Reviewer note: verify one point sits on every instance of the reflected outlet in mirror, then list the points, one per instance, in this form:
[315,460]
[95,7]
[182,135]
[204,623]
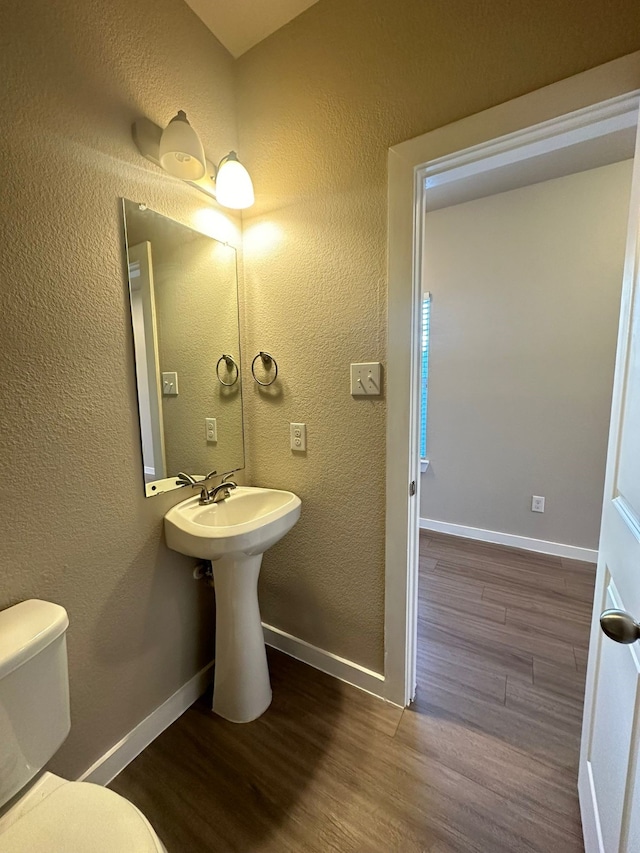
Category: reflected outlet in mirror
[183,292]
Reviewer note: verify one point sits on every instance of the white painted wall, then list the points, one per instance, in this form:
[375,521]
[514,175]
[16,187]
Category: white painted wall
[525,288]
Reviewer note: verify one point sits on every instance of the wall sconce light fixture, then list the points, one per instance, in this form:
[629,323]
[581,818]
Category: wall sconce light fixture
[178,150]
[233,183]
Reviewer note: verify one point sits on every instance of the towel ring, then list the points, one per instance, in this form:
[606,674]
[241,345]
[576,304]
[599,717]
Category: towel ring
[267,361]
[231,363]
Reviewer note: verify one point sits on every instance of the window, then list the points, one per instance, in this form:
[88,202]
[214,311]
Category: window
[424,367]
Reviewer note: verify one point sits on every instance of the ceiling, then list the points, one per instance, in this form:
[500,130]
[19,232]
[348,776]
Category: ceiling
[240,24]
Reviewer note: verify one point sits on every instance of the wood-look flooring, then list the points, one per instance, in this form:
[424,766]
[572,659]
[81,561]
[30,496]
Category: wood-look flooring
[484,761]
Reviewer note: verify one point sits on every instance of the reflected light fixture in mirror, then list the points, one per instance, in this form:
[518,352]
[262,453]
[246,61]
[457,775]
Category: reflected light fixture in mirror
[178,150]
[181,152]
[214,223]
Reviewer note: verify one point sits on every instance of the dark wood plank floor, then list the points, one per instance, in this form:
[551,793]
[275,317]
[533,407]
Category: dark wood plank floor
[484,761]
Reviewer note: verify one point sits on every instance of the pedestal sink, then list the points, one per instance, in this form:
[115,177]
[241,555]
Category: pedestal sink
[234,534]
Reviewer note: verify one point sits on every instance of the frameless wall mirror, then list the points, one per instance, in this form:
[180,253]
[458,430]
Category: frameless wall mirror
[183,291]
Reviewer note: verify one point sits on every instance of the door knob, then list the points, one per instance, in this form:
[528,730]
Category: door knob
[620,626]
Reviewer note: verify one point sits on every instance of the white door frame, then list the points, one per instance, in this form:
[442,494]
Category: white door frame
[530,120]
[144,285]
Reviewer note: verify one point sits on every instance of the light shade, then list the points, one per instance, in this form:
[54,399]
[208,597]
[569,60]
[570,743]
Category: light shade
[233,183]
[181,152]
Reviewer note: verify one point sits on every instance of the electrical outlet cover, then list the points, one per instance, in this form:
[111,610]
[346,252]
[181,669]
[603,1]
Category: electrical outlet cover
[298,437]
[537,503]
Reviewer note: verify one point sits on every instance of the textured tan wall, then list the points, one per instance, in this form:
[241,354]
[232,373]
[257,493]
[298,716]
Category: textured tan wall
[76,528]
[525,303]
[320,102]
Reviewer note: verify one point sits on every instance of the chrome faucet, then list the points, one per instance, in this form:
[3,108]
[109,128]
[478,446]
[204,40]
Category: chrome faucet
[220,492]
[217,493]
[204,492]
[187,479]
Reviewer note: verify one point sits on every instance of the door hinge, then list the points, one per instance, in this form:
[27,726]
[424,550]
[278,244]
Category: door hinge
[412,488]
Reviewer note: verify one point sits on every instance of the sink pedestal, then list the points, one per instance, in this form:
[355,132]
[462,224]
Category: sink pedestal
[242,689]
[246,522]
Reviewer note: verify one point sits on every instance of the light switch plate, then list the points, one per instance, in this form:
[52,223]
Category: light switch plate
[366,379]
[170,384]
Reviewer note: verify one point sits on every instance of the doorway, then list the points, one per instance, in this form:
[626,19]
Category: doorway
[436,165]
[532,145]
[525,291]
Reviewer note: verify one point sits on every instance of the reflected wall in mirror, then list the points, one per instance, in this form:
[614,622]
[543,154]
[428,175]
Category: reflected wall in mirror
[183,292]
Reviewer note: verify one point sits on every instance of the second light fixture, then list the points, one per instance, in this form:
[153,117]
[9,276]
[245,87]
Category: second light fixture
[181,153]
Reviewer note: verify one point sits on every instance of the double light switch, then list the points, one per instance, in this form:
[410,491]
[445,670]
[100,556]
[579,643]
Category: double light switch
[366,379]
[169,383]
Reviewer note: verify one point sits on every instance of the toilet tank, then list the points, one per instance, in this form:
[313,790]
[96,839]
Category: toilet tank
[34,691]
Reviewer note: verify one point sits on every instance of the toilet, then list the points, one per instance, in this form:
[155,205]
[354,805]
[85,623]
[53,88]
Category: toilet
[40,811]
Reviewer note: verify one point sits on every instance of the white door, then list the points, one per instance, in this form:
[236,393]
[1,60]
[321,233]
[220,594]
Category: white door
[609,780]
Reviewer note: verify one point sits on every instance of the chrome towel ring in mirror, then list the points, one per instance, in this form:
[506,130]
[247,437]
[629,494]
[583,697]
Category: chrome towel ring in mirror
[267,361]
[231,365]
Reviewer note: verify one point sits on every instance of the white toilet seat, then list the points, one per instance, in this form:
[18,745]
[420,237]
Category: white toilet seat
[79,817]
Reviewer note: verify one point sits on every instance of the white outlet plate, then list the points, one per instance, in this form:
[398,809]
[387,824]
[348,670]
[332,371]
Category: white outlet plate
[211,429]
[170,384]
[366,379]
[537,503]
[298,433]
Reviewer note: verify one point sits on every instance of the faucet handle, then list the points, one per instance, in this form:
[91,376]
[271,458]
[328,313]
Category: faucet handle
[202,484]
[185,479]
[204,479]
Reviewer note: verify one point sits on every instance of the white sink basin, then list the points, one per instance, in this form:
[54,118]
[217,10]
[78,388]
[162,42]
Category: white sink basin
[248,522]
[234,534]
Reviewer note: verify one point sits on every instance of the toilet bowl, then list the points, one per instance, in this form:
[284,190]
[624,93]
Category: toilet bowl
[39,811]
[57,816]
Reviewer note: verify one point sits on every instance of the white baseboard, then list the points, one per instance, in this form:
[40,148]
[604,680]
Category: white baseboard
[344,670]
[131,745]
[122,753]
[556,549]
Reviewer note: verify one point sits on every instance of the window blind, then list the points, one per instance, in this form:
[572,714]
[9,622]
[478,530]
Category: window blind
[424,384]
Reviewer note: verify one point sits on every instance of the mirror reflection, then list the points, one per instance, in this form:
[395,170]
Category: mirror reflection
[183,293]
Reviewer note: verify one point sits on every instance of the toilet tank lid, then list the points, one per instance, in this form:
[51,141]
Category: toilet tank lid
[26,629]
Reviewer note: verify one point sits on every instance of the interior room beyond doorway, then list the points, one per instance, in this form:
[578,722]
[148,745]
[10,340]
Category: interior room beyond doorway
[525,291]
